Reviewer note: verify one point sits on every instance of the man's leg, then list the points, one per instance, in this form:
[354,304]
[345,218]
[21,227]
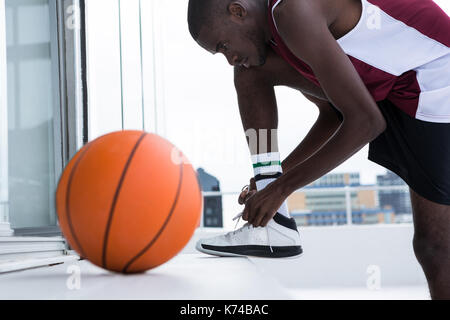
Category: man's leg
[259,115]
[432,243]
[280,238]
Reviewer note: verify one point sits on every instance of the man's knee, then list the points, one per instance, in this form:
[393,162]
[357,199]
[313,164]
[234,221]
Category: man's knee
[431,252]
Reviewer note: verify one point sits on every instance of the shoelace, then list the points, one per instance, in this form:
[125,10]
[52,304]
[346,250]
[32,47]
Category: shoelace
[248,225]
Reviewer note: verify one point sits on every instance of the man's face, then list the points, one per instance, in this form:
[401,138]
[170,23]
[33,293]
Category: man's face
[242,45]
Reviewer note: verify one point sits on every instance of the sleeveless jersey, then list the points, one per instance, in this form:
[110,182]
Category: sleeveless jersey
[400,49]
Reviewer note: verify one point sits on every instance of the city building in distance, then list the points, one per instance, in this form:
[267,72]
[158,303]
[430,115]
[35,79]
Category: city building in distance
[324,202]
[212,205]
[398,200]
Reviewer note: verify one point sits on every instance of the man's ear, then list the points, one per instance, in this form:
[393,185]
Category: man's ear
[237,9]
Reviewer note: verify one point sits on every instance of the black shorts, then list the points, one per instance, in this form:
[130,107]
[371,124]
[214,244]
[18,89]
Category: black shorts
[417,151]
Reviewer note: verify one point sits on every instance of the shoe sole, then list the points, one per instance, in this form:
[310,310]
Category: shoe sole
[253,251]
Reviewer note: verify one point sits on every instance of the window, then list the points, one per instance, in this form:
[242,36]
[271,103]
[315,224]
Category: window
[32,82]
[41,114]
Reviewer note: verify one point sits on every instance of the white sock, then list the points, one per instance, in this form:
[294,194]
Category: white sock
[267,168]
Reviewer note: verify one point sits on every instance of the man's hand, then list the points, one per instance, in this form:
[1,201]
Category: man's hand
[247,191]
[261,207]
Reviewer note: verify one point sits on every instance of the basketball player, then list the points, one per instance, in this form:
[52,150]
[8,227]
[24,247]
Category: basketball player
[379,72]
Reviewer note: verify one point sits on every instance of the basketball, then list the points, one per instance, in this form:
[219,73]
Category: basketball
[128,201]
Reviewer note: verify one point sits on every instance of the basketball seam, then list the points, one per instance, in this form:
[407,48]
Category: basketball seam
[166,222]
[115,199]
[69,187]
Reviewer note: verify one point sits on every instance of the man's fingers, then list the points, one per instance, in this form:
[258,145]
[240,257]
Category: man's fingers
[254,217]
[247,192]
[252,184]
[250,194]
[245,213]
[249,214]
[258,219]
[264,217]
[266,220]
[242,197]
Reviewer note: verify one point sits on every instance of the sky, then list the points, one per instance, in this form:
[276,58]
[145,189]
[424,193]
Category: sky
[202,116]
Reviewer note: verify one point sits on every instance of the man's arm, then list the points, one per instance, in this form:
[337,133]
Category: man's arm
[304,29]
[258,109]
[323,129]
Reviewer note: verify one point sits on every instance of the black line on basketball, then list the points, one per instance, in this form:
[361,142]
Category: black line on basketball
[116,196]
[172,209]
[69,187]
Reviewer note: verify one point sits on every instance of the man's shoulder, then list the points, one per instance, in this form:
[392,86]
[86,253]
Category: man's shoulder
[289,7]
[290,14]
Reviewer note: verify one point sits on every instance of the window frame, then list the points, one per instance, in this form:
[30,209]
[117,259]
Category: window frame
[70,116]
[68,45]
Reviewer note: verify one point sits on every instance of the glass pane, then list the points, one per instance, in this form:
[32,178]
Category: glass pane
[30,114]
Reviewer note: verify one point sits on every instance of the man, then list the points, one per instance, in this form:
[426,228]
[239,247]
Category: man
[379,72]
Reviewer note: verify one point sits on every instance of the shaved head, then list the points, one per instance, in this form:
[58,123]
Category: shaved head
[202,13]
[236,28]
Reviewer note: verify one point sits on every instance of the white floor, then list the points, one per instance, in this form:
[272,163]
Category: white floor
[388,293]
[188,276]
[338,263]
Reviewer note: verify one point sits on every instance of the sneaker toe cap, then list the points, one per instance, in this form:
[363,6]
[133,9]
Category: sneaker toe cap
[215,241]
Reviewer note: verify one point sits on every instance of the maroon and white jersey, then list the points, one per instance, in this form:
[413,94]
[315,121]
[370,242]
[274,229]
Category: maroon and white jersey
[400,48]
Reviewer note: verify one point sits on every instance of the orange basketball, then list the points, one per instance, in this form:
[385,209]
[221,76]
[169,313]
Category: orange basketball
[128,201]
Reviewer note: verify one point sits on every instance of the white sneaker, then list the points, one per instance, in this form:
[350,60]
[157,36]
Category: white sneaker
[279,239]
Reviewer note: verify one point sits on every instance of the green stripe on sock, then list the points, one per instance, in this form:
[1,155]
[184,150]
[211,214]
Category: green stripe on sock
[267,164]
